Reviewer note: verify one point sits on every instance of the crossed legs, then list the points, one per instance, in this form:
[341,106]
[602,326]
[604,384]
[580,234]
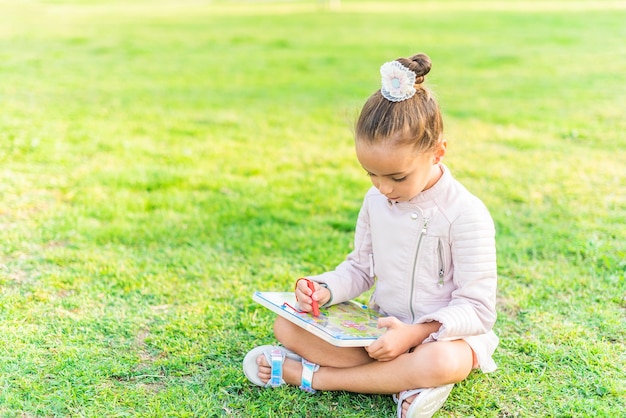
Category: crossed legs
[351,369]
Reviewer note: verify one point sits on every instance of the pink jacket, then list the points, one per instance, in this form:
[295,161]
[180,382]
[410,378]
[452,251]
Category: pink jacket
[432,259]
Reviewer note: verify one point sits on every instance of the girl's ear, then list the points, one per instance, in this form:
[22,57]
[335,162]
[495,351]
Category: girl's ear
[440,152]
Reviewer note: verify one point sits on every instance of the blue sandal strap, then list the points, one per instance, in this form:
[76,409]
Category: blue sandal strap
[308,369]
[276,362]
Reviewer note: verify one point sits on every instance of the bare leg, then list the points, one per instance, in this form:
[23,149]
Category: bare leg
[317,350]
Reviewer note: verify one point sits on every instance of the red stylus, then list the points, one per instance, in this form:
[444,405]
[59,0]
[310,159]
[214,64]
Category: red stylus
[314,304]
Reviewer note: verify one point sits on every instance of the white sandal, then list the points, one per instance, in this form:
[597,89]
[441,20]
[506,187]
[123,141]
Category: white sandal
[275,356]
[426,403]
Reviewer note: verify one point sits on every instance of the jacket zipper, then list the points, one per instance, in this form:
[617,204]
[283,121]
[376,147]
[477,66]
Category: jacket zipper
[419,244]
[441,271]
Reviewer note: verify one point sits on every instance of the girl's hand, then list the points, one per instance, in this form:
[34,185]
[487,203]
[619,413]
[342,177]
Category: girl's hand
[305,296]
[399,338]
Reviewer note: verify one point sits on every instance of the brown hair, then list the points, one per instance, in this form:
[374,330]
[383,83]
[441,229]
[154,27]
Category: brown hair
[416,121]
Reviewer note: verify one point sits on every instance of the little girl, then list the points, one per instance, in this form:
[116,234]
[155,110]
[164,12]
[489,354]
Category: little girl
[426,244]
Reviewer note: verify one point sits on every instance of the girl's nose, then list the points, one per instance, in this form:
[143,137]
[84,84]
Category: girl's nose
[384,187]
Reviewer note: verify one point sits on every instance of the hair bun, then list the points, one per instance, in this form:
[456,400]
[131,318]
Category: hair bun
[420,64]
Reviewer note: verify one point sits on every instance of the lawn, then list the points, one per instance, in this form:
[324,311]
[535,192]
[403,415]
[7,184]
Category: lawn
[161,160]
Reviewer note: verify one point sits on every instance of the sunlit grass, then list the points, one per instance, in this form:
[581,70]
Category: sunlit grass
[160,161]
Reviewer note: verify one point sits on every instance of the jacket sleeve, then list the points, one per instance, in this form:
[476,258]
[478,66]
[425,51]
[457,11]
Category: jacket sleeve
[354,275]
[472,310]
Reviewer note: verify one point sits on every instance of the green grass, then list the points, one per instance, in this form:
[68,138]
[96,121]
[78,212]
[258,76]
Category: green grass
[160,161]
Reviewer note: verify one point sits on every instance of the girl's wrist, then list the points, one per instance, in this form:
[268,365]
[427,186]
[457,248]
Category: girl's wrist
[328,295]
[425,329]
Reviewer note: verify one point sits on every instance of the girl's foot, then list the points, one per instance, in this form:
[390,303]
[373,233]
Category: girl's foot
[273,366]
[292,370]
[406,404]
[422,403]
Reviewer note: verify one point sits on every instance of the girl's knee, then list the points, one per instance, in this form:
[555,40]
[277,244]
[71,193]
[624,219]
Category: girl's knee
[449,362]
[457,360]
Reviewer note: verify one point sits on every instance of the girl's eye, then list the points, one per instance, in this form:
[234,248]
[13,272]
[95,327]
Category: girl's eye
[400,179]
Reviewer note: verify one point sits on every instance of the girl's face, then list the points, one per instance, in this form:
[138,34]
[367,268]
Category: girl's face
[398,171]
